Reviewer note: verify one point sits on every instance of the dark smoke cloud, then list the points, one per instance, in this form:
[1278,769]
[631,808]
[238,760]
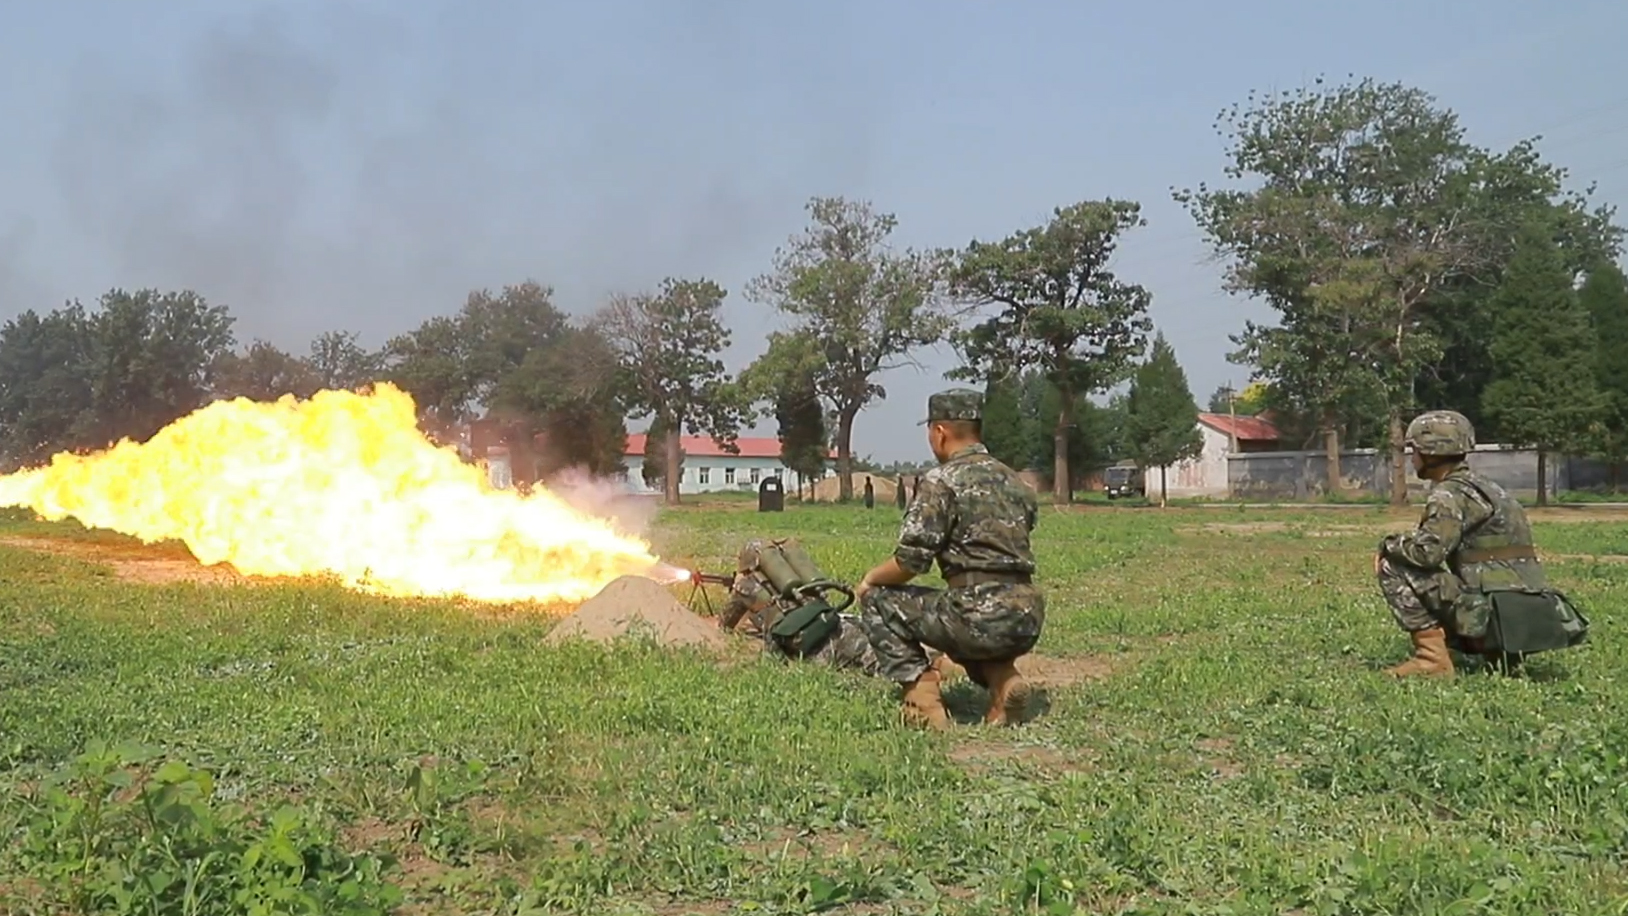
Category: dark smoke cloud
[359,169]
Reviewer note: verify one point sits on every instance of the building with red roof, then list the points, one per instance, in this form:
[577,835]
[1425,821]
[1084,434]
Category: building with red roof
[1206,475]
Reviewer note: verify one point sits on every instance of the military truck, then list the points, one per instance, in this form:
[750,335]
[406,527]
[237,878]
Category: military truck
[1124,480]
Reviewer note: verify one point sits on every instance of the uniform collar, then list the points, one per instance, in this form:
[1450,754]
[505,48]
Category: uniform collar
[976,448]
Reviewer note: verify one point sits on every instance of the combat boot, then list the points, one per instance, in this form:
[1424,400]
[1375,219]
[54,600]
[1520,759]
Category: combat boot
[923,704]
[1430,656]
[1008,693]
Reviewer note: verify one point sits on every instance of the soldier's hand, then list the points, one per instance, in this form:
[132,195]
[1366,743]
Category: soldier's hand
[860,590]
[1378,559]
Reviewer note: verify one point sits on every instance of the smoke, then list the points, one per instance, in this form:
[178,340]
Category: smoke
[628,512]
[313,165]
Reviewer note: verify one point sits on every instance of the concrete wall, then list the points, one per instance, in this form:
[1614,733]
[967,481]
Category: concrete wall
[1304,475]
[1204,476]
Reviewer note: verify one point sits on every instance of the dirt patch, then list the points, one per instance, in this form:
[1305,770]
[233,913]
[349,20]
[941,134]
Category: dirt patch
[135,564]
[1045,670]
[636,605]
[1216,755]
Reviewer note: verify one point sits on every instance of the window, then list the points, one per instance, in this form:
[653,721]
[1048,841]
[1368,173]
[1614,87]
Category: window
[757,476]
[706,475]
[729,475]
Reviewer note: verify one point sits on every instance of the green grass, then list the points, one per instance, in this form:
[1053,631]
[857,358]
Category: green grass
[1241,756]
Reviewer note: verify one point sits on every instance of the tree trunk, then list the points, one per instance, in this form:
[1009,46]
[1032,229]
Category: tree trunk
[1399,461]
[1164,492]
[1543,477]
[674,471]
[845,455]
[1331,444]
[1062,487]
[1616,476]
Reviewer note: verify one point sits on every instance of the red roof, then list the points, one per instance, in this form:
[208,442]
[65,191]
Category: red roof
[704,447]
[1247,429]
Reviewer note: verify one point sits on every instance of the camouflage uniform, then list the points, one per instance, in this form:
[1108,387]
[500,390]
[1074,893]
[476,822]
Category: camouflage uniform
[973,516]
[1472,537]
[753,598]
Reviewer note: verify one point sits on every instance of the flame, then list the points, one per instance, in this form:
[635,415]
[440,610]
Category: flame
[342,484]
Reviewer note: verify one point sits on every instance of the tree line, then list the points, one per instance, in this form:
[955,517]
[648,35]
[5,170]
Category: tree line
[1408,269]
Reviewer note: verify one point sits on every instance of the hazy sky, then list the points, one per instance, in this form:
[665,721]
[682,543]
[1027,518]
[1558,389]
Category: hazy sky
[364,165]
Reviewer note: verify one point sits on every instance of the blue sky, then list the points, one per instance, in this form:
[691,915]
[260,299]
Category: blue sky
[364,165]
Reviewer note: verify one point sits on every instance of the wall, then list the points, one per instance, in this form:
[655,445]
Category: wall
[716,477]
[1303,475]
[1203,476]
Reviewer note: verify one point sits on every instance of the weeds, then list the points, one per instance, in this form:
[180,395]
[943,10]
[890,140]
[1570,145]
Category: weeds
[289,748]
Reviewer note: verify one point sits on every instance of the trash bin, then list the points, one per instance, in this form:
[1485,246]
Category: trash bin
[770,496]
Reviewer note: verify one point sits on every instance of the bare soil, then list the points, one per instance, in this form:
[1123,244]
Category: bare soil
[633,604]
[135,563]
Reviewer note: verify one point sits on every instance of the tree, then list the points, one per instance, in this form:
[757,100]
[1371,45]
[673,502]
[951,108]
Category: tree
[1161,417]
[47,396]
[452,365]
[264,373]
[804,439]
[1006,430]
[1604,296]
[858,309]
[340,362]
[567,392]
[668,344]
[1541,336]
[1058,308]
[1362,217]
[654,467]
[1249,402]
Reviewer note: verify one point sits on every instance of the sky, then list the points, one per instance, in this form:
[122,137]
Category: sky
[365,165]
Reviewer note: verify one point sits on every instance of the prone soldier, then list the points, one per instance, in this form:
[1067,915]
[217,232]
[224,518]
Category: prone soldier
[770,609]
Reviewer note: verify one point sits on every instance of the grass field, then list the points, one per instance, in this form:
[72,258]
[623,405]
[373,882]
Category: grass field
[1213,738]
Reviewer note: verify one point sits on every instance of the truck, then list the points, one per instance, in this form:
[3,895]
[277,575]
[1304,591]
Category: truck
[1124,480]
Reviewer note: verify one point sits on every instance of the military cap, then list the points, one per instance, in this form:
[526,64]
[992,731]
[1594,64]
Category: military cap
[954,404]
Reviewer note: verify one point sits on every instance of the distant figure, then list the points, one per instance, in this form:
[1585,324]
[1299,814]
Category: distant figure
[898,494]
[870,494]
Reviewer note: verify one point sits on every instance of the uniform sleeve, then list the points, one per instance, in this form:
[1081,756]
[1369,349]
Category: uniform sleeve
[744,595]
[1440,528]
[926,527]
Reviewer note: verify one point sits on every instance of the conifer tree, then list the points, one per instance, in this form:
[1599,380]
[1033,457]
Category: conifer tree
[1161,422]
[1605,297]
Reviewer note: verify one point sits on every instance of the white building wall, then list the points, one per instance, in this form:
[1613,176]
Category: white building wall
[1203,476]
[713,474]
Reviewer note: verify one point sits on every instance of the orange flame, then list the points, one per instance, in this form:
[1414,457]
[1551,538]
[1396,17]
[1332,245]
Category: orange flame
[342,484]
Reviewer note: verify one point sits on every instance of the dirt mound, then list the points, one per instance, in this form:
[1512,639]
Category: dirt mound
[636,605]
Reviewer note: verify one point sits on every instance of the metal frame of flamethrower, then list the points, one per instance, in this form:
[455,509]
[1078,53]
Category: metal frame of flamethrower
[697,579]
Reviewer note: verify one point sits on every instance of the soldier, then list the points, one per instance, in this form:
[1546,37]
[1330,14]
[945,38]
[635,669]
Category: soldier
[753,597]
[973,516]
[1472,538]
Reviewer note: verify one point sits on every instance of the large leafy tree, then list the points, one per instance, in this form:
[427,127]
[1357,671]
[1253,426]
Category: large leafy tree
[517,356]
[1161,418]
[1057,307]
[1544,393]
[81,379]
[1363,212]
[341,363]
[263,373]
[857,306]
[668,344]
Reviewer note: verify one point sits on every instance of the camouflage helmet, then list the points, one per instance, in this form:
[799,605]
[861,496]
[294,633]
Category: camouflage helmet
[1441,432]
[747,559]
